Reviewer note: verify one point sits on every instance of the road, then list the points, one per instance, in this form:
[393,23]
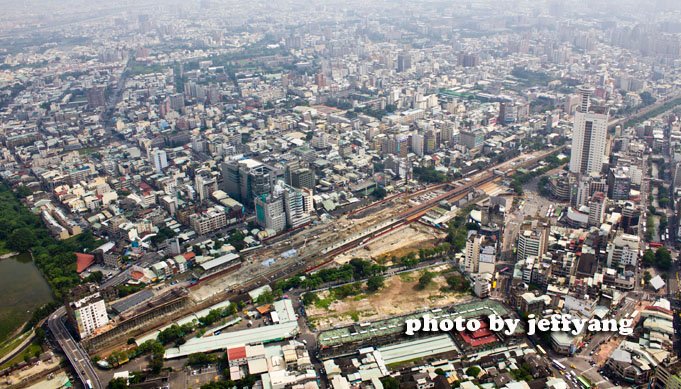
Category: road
[642,112]
[309,338]
[24,343]
[582,361]
[77,357]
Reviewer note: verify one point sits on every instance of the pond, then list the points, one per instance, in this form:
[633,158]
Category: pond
[22,291]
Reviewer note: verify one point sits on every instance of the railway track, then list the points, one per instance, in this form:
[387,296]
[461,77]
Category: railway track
[415,213]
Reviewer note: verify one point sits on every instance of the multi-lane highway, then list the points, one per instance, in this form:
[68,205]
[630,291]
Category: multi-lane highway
[77,357]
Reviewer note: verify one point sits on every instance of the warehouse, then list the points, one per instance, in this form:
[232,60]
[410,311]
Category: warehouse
[225,340]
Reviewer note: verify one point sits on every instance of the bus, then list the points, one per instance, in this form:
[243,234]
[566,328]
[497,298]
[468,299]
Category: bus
[558,365]
[541,350]
[584,382]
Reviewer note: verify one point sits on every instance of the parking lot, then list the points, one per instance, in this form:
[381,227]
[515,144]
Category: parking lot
[194,378]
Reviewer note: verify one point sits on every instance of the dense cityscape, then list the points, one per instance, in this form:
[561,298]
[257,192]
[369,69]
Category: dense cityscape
[221,194]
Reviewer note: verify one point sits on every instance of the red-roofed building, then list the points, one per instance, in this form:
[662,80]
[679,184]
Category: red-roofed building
[83,261]
[236,356]
[145,188]
[482,336]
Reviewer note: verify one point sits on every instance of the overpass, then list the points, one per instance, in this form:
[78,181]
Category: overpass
[77,357]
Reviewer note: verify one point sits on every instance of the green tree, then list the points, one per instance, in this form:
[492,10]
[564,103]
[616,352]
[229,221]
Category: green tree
[374,283]
[201,359]
[390,382]
[457,283]
[21,240]
[425,280]
[95,277]
[379,192]
[156,363]
[646,276]
[236,239]
[648,258]
[265,298]
[118,383]
[23,191]
[647,98]
[429,175]
[473,371]
[310,298]
[39,338]
[663,259]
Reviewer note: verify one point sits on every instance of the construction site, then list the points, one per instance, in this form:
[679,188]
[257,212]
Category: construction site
[398,297]
[397,243]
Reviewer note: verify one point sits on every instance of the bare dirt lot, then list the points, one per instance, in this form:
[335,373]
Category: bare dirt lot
[399,296]
[398,243]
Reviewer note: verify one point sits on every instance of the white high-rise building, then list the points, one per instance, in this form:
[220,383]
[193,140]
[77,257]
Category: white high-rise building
[160,159]
[623,251]
[533,240]
[417,143]
[589,135]
[270,212]
[472,254]
[597,209]
[87,310]
[205,184]
[294,206]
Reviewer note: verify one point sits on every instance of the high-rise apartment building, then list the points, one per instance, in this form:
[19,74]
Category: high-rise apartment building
[302,178]
[270,213]
[584,186]
[589,133]
[533,240]
[403,62]
[430,142]
[417,144]
[86,309]
[472,254]
[205,184]
[176,101]
[285,207]
[623,251]
[471,138]
[597,209]
[619,183]
[296,206]
[210,220]
[160,160]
